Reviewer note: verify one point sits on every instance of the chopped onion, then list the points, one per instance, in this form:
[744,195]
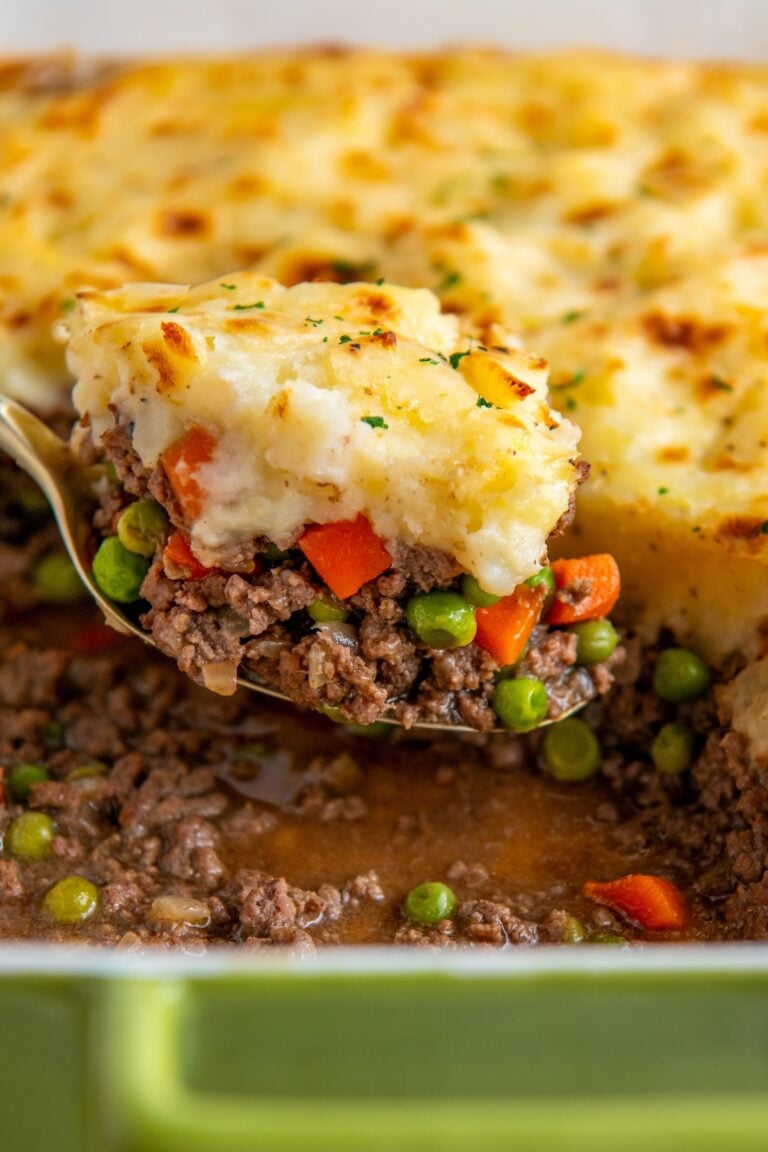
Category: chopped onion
[266,649]
[220,676]
[317,656]
[345,634]
[180,910]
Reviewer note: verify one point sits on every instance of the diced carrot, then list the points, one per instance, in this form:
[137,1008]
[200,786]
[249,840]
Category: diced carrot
[98,638]
[346,554]
[181,462]
[179,552]
[595,584]
[505,627]
[649,901]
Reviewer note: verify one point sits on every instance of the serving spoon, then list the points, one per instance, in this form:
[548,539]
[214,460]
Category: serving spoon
[66,483]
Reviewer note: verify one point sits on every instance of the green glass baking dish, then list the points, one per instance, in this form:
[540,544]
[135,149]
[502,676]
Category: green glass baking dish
[585,1050]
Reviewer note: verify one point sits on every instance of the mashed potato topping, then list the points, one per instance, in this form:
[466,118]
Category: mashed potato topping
[325,401]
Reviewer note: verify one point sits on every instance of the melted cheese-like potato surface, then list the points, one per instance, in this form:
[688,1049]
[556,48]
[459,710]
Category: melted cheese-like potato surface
[611,211]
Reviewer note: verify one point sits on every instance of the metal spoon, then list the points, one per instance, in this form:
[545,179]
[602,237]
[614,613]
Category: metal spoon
[65,482]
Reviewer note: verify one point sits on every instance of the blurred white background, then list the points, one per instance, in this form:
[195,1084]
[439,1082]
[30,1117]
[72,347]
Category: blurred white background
[736,28]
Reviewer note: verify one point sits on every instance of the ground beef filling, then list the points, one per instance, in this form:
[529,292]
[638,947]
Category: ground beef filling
[370,665]
[203,820]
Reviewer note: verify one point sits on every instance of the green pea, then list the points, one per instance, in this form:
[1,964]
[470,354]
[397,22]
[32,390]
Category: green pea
[86,771]
[253,753]
[52,734]
[29,836]
[596,640]
[274,555]
[672,749]
[428,903]
[117,572]
[545,578]
[441,619]
[333,713]
[21,777]
[574,931]
[55,578]
[476,595]
[326,611]
[376,730]
[30,499]
[71,900]
[142,527]
[680,675]
[520,704]
[571,751]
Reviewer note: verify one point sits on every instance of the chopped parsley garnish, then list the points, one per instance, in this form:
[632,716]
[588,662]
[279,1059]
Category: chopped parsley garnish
[662,491]
[338,317]
[67,304]
[344,339]
[720,384]
[310,320]
[696,527]
[374,421]
[572,317]
[456,357]
[377,332]
[570,404]
[483,403]
[229,287]
[450,280]
[428,360]
[174,309]
[764,527]
[575,380]
[245,307]
[381,280]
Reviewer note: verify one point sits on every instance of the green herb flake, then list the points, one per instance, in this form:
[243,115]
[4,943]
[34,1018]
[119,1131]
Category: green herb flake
[374,421]
[450,280]
[381,280]
[483,403]
[570,404]
[170,310]
[67,304]
[720,384]
[764,527]
[456,358]
[572,317]
[344,339]
[313,322]
[246,307]
[662,491]
[428,360]
[229,287]
[696,528]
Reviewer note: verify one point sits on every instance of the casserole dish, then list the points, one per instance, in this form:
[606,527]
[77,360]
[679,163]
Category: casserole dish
[664,1049]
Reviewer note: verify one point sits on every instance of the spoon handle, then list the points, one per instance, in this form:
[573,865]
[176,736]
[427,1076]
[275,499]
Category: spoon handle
[33,446]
